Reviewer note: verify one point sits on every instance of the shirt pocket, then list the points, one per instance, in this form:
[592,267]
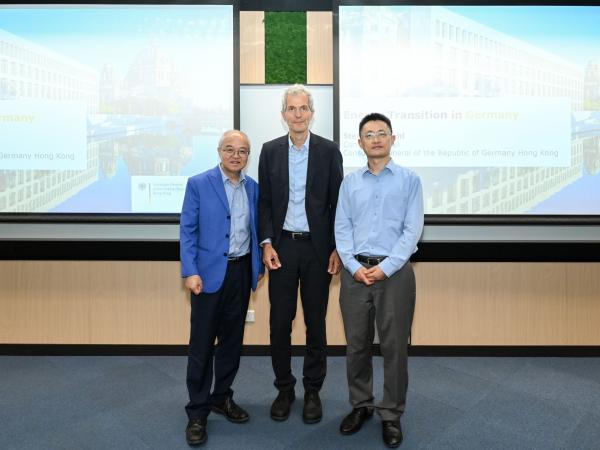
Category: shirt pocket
[394,207]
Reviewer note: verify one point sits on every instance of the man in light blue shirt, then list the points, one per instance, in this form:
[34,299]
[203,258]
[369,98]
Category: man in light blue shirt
[378,223]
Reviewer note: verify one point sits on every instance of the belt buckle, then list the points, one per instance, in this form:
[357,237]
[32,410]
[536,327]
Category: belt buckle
[296,236]
[372,261]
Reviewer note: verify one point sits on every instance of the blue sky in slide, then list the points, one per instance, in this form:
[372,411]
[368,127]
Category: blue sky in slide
[113,33]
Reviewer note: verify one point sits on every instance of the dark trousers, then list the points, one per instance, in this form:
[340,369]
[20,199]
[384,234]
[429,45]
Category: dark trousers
[390,304]
[299,264]
[218,315]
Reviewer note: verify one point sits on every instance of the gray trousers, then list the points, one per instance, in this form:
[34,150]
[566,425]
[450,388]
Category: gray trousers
[391,304]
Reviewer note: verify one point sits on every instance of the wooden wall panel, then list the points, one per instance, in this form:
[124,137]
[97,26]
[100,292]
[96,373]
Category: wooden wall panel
[104,302]
[143,303]
[490,304]
[252,47]
[116,302]
[583,309]
[43,300]
[319,51]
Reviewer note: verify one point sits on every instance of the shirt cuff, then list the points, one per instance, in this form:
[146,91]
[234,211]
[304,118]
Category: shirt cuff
[353,266]
[266,241]
[388,267]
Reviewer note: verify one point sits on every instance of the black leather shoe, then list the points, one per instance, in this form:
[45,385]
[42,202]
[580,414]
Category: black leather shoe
[312,411]
[232,412]
[280,409]
[195,432]
[392,433]
[354,421]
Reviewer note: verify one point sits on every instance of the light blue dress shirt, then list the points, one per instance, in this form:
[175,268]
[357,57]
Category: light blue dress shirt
[239,232]
[379,215]
[295,217]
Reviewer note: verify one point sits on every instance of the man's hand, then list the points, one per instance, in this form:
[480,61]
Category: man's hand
[270,257]
[361,276]
[335,263]
[194,284]
[375,274]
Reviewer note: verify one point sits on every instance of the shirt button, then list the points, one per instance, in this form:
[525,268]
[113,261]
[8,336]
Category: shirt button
[226,235]
[224,254]
[228,217]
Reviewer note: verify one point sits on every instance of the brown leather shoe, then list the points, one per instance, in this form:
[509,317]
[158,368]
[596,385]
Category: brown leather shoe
[354,421]
[195,432]
[280,409]
[232,411]
[392,433]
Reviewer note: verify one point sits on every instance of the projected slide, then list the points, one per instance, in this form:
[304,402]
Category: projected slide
[496,107]
[109,109]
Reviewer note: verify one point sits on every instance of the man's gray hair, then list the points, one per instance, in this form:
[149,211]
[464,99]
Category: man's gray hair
[229,133]
[297,89]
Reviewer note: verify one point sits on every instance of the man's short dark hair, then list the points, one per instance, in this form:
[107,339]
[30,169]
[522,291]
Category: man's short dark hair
[374,116]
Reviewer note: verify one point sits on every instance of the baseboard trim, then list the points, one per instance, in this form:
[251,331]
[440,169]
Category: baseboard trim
[297,350]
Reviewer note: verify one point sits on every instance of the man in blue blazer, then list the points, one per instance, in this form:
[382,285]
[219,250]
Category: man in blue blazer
[220,262]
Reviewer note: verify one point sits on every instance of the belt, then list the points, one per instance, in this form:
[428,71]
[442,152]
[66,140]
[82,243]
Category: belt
[297,235]
[236,259]
[370,260]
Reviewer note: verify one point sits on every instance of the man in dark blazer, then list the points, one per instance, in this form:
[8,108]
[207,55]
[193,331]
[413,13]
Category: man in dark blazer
[221,262]
[299,176]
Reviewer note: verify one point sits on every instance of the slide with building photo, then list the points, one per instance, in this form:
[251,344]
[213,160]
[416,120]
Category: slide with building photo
[108,108]
[497,108]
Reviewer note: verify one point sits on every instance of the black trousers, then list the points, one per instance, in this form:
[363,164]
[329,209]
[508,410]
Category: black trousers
[299,265]
[219,315]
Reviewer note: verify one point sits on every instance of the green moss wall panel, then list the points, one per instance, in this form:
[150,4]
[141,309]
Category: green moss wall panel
[285,47]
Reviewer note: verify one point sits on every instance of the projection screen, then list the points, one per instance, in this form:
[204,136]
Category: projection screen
[497,108]
[107,109]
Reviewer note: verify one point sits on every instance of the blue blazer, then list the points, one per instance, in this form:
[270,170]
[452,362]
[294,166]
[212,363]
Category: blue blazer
[204,229]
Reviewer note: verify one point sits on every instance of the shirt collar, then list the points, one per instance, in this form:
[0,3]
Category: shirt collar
[225,178]
[303,146]
[391,166]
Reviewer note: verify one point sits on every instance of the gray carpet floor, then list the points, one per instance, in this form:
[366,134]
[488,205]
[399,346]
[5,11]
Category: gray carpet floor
[453,403]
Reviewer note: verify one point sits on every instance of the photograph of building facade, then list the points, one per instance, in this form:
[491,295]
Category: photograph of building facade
[434,52]
[29,71]
[472,59]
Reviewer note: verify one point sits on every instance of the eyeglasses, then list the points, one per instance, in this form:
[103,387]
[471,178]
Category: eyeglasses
[230,152]
[372,135]
[292,109]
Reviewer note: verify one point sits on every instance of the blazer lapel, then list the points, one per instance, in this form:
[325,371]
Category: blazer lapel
[284,165]
[217,183]
[313,162]
[250,194]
